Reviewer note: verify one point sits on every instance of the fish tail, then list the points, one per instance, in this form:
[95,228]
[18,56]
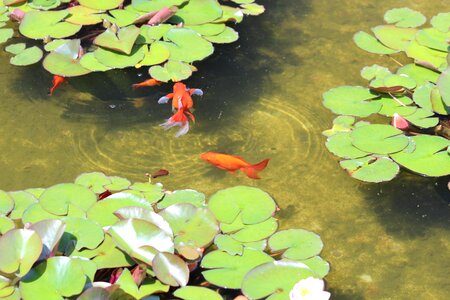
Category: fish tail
[253,170]
[136,86]
[178,119]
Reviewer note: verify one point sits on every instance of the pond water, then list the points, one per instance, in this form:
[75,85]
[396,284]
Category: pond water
[262,99]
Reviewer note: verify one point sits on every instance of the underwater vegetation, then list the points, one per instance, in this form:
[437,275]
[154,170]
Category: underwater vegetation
[416,98]
[103,237]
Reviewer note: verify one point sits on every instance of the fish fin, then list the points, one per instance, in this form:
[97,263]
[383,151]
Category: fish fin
[253,170]
[191,116]
[178,119]
[197,92]
[163,100]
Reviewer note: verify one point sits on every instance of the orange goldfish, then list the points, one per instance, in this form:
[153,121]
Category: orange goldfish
[233,163]
[148,82]
[179,119]
[181,93]
[57,81]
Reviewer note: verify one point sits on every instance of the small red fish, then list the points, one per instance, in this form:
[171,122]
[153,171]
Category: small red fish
[148,82]
[183,93]
[400,122]
[233,163]
[57,81]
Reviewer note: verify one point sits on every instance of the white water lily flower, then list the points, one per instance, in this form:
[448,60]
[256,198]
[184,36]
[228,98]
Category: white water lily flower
[309,289]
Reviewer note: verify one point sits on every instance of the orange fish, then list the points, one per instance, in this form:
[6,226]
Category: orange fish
[179,119]
[57,81]
[233,163]
[181,93]
[148,82]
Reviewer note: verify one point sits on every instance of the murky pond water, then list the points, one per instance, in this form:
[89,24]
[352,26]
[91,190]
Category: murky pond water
[262,99]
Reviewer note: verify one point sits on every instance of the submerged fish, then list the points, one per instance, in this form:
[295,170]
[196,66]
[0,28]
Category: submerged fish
[148,82]
[57,81]
[233,163]
[179,119]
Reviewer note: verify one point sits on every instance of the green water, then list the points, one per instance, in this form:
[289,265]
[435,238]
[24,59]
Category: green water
[262,99]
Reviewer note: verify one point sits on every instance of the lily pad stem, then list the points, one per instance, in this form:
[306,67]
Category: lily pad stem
[396,61]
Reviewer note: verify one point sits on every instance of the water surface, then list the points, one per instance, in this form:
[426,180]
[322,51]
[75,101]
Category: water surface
[262,99]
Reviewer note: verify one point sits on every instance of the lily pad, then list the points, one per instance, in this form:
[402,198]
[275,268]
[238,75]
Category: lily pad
[83,232]
[374,71]
[50,233]
[119,60]
[133,212]
[434,39]
[172,70]
[404,17]
[39,24]
[152,192]
[430,157]
[63,65]
[27,57]
[340,124]
[441,22]
[6,224]
[297,243]
[187,45]
[148,286]
[200,12]
[245,233]
[351,100]
[6,203]
[420,74]
[394,37]
[100,4]
[427,57]
[83,15]
[182,196]
[22,200]
[170,269]
[95,181]
[252,9]
[122,41]
[156,54]
[371,168]
[443,84]
[88,61]
[15,48]
[396,104]
[320,266]
[154,5]
[196,293]
[5,34]
[207,29]
[370,44]
[341,145]
[229,35]
[379,139]
[423,118]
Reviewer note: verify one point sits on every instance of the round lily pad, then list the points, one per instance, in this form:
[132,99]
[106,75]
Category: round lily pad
[246,233]
[170,269]
[297,243]
[379,139]
[63,65]
[351,100]
[121,41]
[156,54]
[207,29]
[374,71]
[370,44]
[39,24]
[371,169]
[441,22]
[341,145]
[420,74]
[22,201]
[187,45]
[199,12]
[119,60]
[172,70]
[252,9]
[423,118]
[404,17]
[83,15]
[196,293]
[5,34]
[6,224]
[394,37]
[15,48]
[320,266]
[95,181]
[84,232]
[100,4]
[182,196]
[27,57]
[6,203]
[229,35]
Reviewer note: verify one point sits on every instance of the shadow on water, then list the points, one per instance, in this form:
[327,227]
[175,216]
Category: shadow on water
[232,78]
[411,205]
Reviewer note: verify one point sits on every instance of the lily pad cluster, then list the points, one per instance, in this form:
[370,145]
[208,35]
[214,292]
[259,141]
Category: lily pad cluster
[84,36]
[415,98]
[103,237]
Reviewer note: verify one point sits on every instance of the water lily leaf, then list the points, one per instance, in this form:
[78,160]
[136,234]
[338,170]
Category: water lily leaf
[320,266]
[430,157]
[63,65]
[102,211]
[27,57]
[379,139]
[252,9]
[426,56]
[95,293]
[39,24]
[340,144]
[133,212]
[85,233]
[423,118]
[117,184]
[433,38]
[157,54]
[207,29]
[100,4]
[228,271]
[122,17]
[55,278]
[420,74]
[150,34]
[6,224]
[6,203]
[44,4]
[396,104]
[252,205]
[187,45]
[94,181]
[441,22]
[15,48]
[370,44]
[274,280]
[443,84]
[57,198]
[192,226]
[53,45]
[299,243]
[20,250]
[428,97]
[170,269]
[119,60]
[200,12]
[374,71]
[340,124]
[393,83]
[404,17]
[230,14]
[196,293]
[122,41]
[154,5]
[141,239]
[148,286]
[229,35]
[172,70]
[50,233]
[88,61]
[371,168]
[226,243]
[182,196]
[151,192]
[351,100]
[5,34]
[250,233]
[84,16]
[22,200]
[394,37]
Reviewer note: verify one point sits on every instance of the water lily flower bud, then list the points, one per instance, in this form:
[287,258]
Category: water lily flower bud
[309,289]
[400,122]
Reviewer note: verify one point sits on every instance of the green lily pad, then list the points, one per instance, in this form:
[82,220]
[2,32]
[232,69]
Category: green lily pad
[117,184]
[55,278]
[85,233]
[427,57]
[196,293]
[351,100]
[133,212]
[150,34]
[443,84]
[428,97]
[63,65]
[229,35]
[228,271]
[252,9]
[35,213]
[15,48]
[197,12]
[182,196]
[340,124]
[122,41]
[122,17]
[370,44]
[396,104]
[170,269]
[441,22]
[371,169]
[27,57]
[433,38]
[94,181]
[39,24]
[157,54]
[20,250]
[154,5]
[119,60]
[374,71]
[226,243]
[394,37]
[53,45]
[252,205]
[420,74]
[152,192]
[340,144]
[102,211]
[172,70]
[297,243]
[230,14]
[207,29]
[88,61]
[82,15]
[50,233]
[320,266]
[379,139]
[5,34]
[430,157]
[404,17]
[6,203]
[100,4]
[423,118]
[245,233]
[140,239]
[274,280]
[57,198]
[148,286]
[187,45]
[22,200]
[44,4]
[6,224]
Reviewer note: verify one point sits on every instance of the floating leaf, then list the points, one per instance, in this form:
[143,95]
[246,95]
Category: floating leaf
[394,37]
[6,224]
[441,22]
[27,57]
[404,17]
[6,203]
[443,84]
[340,144]
[150,34]
[182,196]
[207,29]
[427,57]
[5,34]
[95,181]
[199,12]
[22,200]
[170,269]
[429,158]
[351,100]
[379,139]
[370,44]
[63,65]
[340,124]
[230,14]
[119,60]
[15,48]
[374,71]
[50,232]
[172,70]
[133,212]
[229,35]
[434,39]
[187,45]
[39,24]
[83,232]
[151,192]
[122,41]
[250,233]
[252,9]
[196,292]
[371,169]
[320,266]
[420,74]
[422,118]
[157,54]
[298,243]
[100,4]
[88,61]
[117,184]
[84,16]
